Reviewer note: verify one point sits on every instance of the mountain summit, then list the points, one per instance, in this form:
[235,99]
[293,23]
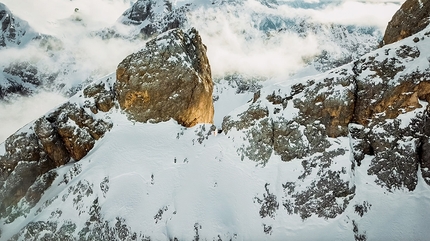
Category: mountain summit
[342,155]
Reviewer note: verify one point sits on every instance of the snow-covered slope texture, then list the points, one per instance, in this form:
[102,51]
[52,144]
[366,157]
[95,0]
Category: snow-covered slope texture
[337,156]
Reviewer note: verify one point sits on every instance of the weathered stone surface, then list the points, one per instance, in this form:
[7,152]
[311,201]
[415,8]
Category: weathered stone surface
[170,78]
[103,96]
[424,146]
[365,100]
[386,89]
[51,141]
[324,110]
[376,94]
[17,184]
[412,17]
[77,129]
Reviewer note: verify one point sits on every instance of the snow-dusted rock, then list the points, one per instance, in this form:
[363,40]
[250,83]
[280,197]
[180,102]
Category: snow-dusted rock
[66,133]
[412,17]
[170,78]
[13,31]
[367,99]
[153,17]
[339,155]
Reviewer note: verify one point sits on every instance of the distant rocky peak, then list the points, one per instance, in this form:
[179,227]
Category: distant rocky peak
[412,17]
[143,10]
[169,78]
[154,17]
[14,31]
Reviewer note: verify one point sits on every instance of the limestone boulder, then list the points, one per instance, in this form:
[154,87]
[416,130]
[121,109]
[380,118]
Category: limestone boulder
[169,78]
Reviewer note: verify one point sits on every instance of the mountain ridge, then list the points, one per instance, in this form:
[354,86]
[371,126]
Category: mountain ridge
[338,155]
[56,66]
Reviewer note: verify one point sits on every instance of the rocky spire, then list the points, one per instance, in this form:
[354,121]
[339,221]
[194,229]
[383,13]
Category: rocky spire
[170,78]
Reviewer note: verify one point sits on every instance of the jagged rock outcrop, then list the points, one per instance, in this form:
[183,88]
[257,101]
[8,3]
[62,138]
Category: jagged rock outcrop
[369,101]
[66,133]
[337,133]
[169,78]
[24,77]
[412,17]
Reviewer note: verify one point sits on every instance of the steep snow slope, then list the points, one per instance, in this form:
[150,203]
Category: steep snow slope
[14,31]
[163,181]
[163,186]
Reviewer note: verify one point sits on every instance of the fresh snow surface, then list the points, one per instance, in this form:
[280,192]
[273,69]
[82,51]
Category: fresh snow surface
[149,168]
[153,167]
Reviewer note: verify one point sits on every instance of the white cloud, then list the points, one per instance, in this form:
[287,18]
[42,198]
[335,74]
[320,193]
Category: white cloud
[44,15]
[23,110]
[234,44]
[368,13]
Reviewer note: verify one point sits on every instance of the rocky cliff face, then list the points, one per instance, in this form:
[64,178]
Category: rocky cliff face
[364,100]
[170,78]
[411,18]
[31,155]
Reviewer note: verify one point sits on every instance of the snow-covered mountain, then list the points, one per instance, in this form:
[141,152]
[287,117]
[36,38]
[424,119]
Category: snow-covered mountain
[79,41]
[341,155]
[71,53]
[157,151]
